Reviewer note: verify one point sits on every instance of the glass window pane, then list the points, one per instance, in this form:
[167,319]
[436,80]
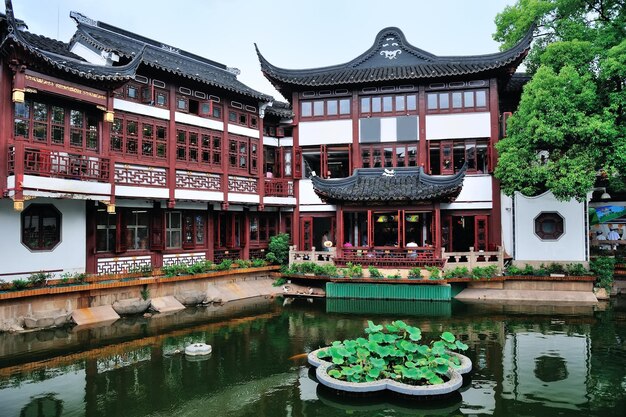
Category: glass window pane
[40,112]
[365,104]
[468,96]
[444,100]
[307,109]
[376,104]
[481,98]
[387,103]
[400,103]
[432,101]
[457,100]
[411,102]
[331,107]
[318,108]
[344,106]
[76,118]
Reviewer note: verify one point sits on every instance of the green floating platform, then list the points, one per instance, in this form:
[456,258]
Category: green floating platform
[389,307]
[388,291]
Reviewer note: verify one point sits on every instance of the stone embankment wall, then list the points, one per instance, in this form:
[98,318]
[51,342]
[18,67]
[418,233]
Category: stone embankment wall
[213,290]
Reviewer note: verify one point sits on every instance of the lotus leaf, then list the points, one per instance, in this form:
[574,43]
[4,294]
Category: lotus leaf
[373,328]
[448,337]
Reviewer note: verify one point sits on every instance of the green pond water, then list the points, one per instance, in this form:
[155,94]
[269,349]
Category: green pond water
[528,361]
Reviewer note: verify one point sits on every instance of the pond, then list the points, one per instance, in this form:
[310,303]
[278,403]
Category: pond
[528,360]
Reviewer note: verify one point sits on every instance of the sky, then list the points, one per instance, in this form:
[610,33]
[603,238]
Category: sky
[290,33]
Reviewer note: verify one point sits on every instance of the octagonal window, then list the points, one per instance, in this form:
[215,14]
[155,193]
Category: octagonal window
[549,225]
[41,227]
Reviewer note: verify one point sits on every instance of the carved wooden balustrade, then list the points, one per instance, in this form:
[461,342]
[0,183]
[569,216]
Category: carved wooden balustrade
[52,163]
[390,257]
[278,187]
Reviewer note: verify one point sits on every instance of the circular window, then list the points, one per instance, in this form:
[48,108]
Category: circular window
[549,226]
[41,227]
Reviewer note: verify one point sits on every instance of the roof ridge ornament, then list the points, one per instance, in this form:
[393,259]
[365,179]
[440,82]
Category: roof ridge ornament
[81,18]
[389,173]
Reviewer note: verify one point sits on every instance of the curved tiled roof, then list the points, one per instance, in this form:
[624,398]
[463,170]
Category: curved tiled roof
[382,185]
[392,58]
[105,37]
[280,109]
[57,54]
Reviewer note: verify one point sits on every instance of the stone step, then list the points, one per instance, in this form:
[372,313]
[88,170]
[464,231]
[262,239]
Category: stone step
[92,315]
[166,304]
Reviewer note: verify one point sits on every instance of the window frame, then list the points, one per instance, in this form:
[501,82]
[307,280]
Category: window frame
[449,145]
[124,138]
[369,162]
[545,217]
[51,212]
[463,108]
[369,98]
[324,109]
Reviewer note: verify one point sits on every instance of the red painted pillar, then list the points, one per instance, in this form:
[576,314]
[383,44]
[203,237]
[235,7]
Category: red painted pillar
[422,156]
[495,226]
[171,150]
[437,231]
[295,224]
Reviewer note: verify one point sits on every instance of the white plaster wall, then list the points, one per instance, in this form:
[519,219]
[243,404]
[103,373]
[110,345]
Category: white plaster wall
[88,55]
[68,255]
[138,108]
[141,192]
[569,247]
[186,194]
[289,201]
[506,221]
[62,185]
[307,195]
[245,131]
[193,120]
[458,126]
[475,188]
[326,132]
[243,198]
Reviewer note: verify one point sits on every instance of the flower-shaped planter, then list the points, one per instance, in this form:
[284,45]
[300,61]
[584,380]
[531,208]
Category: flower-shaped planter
[455,380]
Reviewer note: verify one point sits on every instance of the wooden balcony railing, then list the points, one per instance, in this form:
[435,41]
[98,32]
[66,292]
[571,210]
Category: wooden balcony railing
[278,187]
[49,163]
[390,257]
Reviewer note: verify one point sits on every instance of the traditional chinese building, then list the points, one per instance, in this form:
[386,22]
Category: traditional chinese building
[123,152]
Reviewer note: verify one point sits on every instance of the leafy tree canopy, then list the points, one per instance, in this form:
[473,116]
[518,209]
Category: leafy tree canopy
[570,125]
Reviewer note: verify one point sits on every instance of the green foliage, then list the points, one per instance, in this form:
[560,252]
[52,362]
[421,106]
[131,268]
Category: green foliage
[374,272]
[415,273]
[145,293]
[458,272]
[328,270]
[225,265]
[394,276]
[20,284]
[38,279]
[484,272]
[278,250]
[243,263]
[555,268]
[76,277]
[394,353]
[258,263]
[174,270]
[602,267]
[200,267]
[278,282]
[435,273]
[353,271]
[576,270]
[574,108]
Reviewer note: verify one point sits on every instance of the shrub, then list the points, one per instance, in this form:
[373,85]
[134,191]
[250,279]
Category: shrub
[394,276]
[435,273]
[242,263]
[20,284]
[200,267]
[576,270]
[353,271]
[307,267]
[374,272]
[145,293]
[38,279]
[542,271]
[555,268]
[602,267]
[512,270]
[416,273]
[278,250]
[224,265]
[528,270]
[484,272]
[174,270]
[458,272]
[257,263]
[278,282]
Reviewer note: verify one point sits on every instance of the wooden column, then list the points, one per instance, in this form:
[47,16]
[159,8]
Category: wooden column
[210,230]
[339,232]
[495,223]
[225,156]
[295,222]
[171,150]
[260,164]
[422,156]
[437,231]
[245,234]
[356,148]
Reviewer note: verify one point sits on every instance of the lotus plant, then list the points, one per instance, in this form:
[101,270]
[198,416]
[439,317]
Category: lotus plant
[395,354]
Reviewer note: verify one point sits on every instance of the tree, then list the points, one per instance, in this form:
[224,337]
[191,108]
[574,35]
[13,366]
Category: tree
[570,129]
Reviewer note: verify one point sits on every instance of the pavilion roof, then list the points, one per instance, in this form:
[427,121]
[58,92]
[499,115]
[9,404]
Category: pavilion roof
[384,185]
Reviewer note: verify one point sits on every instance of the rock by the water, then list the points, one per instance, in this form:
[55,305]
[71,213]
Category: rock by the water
[131,306]
[191,297]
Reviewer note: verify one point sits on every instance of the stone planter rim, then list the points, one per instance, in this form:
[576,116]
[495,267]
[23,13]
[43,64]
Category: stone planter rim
[454,382]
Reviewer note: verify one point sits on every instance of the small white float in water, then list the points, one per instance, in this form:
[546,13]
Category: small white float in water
[198,349]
